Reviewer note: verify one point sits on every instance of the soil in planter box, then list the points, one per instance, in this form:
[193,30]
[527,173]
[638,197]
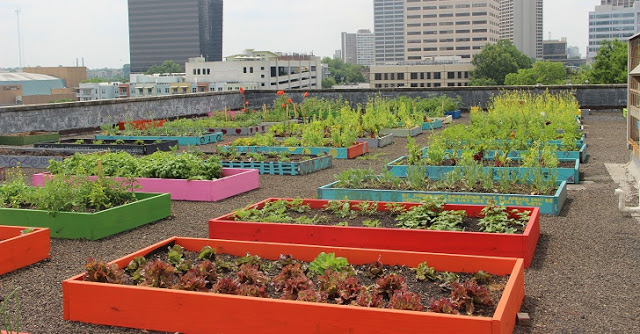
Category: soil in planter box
[35,153]
[261,156]
[493,163]
[428,216]
[371,285]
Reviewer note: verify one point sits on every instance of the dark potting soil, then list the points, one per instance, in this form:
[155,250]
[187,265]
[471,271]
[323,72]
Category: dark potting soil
[36,153]
[386,219]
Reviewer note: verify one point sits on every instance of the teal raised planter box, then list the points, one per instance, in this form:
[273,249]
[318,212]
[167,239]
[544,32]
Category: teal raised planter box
[283,168]
[455,113]
[335,152]
[398,167]
[28,138]
[580,154]
[377,142]
[432,125]
[93,226]
[188,141]
[402,132]
[549,205]
[447,119]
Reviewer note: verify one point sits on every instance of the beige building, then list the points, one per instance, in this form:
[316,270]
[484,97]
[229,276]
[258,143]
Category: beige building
[450,28]
[71,75]
[521,24]
[440,73]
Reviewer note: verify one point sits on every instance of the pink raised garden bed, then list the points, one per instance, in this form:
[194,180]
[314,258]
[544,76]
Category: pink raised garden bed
[234,181]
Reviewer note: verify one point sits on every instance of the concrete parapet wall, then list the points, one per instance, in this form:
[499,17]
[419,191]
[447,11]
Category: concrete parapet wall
[92,114]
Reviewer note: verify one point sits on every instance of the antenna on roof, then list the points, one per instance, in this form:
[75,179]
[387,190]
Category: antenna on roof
[19,38]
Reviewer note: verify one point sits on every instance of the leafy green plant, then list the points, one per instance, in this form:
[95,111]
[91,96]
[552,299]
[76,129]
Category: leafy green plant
[496,219]
[341,209]
[424,272]
[372,223]
[328,261]
[10,318]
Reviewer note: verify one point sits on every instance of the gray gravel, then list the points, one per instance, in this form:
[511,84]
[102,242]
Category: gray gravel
[583,278]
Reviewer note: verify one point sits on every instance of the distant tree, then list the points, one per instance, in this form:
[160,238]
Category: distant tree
[342,72]
[474,81]
[495,61]
[542,72]
[610,66]
[580,75]
[62,100]
[328,83]
[168,66]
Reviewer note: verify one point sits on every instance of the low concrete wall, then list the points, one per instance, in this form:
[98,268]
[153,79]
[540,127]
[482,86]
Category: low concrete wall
[92,114]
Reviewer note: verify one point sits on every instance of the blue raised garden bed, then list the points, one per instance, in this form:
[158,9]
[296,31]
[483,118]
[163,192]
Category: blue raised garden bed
[455,113]
[335,152]
[283,168]
[489,154]
[432,125]
[570,175]
[550,205]
[189,141]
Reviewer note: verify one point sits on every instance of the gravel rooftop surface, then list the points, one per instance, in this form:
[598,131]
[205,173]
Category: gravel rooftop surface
[583,278]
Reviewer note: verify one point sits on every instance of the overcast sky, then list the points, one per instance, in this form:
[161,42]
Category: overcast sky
[57,32]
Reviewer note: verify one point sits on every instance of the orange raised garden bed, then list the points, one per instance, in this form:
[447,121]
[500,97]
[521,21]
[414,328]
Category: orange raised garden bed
[203,312]
[450,242]
[19,250]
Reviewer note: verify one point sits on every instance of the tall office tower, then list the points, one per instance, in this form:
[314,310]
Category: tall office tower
[388,20]
[358,48]
[608,22]
[623,3]
[349,48]
[162,30]
[449,28]
[521,23]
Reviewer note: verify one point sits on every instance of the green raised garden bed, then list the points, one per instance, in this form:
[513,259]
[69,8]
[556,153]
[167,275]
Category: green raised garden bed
[93,226]
[28,138]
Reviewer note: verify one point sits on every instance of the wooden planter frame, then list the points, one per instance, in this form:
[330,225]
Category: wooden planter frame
[449,242]
[129,146]
[119,305]
[19,250]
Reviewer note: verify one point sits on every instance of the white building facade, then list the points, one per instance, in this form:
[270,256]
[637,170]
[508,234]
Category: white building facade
[608,22]
[89,91]
[256,70]
[158,84]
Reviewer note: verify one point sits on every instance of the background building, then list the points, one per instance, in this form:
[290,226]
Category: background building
[608,22]
[101,91]
[573,52]
[30,88]
[521,23]
[358,48]
[162,30]
[441,72]
[388,21]
[256,70]
[624,3]
[450,28]
[158,84]
[555,50]
[72,76]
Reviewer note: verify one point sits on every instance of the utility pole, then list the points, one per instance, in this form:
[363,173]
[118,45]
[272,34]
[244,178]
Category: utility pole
[19,38]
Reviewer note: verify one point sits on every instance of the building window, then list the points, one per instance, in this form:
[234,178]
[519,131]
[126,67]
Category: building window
[244,70]
[451,84]
[400,76]
[377,76]
[198,71]
[250,69]
[414,85]
[451,75]
[194,71]
[208,71]
[193,90]
[166,90]
[414,76]
[436,75]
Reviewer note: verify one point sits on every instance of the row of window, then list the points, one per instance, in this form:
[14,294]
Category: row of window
[422,85]
[421,75]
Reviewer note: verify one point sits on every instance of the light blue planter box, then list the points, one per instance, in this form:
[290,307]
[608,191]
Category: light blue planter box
[402,132]
[335,152]
[489,154]
[570,175]
[189,141]
[455,113]
[558,142]
[434,124]
[283,168]
[550,205]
